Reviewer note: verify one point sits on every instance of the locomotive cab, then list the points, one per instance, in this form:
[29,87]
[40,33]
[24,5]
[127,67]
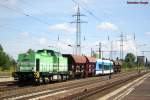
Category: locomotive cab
[25,67]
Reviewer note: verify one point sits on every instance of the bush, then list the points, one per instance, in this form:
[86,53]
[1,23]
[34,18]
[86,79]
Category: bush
[5,60]
[129,61]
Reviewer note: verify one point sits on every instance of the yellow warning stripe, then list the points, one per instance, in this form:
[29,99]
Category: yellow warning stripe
[36,74]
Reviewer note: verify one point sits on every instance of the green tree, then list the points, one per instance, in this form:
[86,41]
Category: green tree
[30,51]
[129,60]
[1,55]
[5,60]
[1,48]
[2,58]
[94,54]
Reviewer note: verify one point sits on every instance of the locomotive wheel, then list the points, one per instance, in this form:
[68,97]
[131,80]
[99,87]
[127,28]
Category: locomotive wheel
[36,81]
[50,79]
[62,77]
[40,80]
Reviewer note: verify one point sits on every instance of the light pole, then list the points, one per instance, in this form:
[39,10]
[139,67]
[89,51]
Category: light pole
[144,55]
[100,47]
[100,50]
[91,52]
[110,70]
[137,47]
[111,50]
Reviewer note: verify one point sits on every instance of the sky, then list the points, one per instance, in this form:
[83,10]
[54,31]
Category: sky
[37,24]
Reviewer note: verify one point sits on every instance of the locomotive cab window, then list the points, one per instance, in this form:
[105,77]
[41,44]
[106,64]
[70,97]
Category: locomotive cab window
[57,54]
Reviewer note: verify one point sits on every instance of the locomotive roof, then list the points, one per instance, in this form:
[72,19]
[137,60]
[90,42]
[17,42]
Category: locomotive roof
[52,52]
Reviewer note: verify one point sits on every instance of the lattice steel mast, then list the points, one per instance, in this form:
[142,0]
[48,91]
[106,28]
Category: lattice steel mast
[78,31]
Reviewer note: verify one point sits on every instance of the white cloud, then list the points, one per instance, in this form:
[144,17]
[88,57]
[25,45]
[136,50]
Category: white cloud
[107,26]
[85,1]
[24,34]
[62,27]
[11,2]
[147,33]
[129,46]
[63,46]
[43,41]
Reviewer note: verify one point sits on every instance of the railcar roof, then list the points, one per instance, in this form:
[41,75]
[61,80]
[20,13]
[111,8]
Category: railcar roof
[105,61]
[77,58]
[91,59]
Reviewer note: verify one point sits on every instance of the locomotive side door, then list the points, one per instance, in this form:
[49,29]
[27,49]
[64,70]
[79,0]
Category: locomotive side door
[37,64]
[56,63]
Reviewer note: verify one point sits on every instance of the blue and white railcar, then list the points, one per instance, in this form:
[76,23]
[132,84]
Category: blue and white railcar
[104,67]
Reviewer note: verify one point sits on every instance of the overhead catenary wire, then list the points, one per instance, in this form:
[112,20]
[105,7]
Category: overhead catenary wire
[15,10]
[87,10]
[12,28]
[21,13]
[97,18]
[25,14]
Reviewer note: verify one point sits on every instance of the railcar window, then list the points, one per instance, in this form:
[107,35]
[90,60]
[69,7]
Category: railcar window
[107,67]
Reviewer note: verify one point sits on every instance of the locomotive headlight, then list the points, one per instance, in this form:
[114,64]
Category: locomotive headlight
[33,68]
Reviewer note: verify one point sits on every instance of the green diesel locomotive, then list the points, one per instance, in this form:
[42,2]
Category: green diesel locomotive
[41,66]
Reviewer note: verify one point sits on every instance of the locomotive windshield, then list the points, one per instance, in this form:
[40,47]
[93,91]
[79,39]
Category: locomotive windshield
[58,54]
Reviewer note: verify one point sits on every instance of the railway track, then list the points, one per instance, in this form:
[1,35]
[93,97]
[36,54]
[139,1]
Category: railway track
[32,92]
[107,86]
[7,85]
[11,85]
[88,90]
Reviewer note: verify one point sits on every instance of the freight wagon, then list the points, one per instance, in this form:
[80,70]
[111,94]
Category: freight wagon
[117,66]
[90,66]
[76,66]
[80,66]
